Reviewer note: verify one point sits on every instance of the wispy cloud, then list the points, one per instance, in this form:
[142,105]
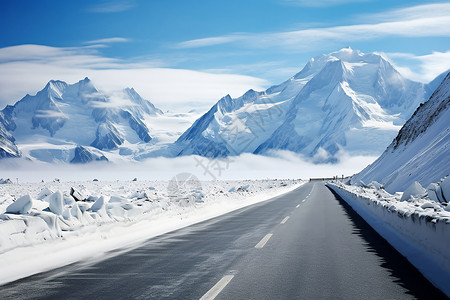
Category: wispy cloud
[112,6]
[108,40]
[320,3]
[408,13]
[427,67]
[74,57]
[50,114]
[418,21]
[212,41]
[26,69]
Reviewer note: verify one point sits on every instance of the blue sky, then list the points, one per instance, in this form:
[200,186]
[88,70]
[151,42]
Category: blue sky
[231,45]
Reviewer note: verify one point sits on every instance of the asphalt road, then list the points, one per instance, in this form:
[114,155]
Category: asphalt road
[306,244]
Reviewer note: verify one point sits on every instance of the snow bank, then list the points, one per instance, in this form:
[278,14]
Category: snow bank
[419,228]
[50,218]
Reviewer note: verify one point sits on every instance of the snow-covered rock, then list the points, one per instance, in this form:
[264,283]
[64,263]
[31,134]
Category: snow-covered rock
[99,204]
[421,150]
[375,185]
[433,190]
[56,204]
[445,189]
[415,189]
[44,193]
[21,206]
[5,181]
[84,155]
[343,100]
[77,194]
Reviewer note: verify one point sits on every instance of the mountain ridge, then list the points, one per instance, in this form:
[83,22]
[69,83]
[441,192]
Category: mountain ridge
[79,115]
[420,151]
[365,87]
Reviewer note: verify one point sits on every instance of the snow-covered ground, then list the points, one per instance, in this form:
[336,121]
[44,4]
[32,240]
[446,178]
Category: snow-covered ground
[416,222]
[43,227]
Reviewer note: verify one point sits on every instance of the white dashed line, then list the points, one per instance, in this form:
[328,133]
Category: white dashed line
[215,290]
[304,200]
[263,241]
[285,220]
[298,205]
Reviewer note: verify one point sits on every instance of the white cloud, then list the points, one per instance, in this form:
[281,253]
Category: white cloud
[320,3]
[27,68]
[408,13]
[112,6]
[418,21]
[428,66]
[70,56]
[50,114]
[246,166]
[212,41]
[109,40]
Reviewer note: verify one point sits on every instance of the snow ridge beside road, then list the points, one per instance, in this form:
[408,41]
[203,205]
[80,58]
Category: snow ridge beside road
[419,228]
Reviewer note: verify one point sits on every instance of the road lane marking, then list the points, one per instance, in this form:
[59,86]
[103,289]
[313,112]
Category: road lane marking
[263,241]
[304,200]
[298,205]
[285,220]
[216,289]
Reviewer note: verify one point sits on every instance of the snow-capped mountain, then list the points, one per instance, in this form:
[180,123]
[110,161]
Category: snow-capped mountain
[421,150]
[344,100]
[66,122]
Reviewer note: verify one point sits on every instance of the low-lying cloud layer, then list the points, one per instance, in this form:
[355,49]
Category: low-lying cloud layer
[281,165]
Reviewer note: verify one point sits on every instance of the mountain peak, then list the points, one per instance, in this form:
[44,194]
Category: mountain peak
[55,84]
[55,88]
[131,91]
[85,82]
[351,55]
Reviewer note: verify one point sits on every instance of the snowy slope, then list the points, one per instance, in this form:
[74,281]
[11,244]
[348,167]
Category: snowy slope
[344,100]
[50,125]
[421,150]
[233,126]
[7,146]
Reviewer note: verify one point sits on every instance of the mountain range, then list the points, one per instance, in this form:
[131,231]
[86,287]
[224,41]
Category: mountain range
[345,101]
[65,121]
